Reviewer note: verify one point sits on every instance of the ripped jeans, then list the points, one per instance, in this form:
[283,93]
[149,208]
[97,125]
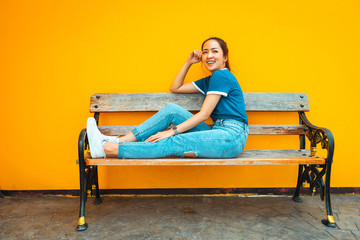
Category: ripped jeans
[226,138]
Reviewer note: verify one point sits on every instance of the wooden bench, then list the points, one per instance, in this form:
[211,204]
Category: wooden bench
[312,169]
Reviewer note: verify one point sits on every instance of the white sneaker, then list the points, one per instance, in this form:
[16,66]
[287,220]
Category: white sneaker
[96,139]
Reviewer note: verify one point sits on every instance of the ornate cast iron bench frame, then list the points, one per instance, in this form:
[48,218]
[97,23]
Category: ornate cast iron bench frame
[313,169]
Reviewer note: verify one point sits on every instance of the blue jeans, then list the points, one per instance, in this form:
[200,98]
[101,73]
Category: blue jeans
[226,138]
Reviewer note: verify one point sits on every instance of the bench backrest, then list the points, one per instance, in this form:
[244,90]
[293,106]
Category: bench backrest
[255,102]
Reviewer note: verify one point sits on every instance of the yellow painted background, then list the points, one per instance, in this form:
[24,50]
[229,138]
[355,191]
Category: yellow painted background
[55,54]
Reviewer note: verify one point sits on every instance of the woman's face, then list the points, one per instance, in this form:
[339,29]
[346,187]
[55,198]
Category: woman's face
[212,56]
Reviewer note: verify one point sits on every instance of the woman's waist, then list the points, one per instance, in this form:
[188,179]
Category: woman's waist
[229,122]
[229,118]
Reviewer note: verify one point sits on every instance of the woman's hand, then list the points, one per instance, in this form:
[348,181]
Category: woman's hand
[195,57]
[160,136]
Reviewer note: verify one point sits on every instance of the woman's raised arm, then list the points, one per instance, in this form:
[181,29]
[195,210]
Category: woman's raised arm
[207,108]
[178,85]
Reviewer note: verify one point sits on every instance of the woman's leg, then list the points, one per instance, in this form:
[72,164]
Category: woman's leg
[216,143]
[111,149]
[220,142]
[170,114]
[129,137]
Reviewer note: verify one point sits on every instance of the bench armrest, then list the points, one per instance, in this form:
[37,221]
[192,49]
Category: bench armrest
[317,135]
[82,145]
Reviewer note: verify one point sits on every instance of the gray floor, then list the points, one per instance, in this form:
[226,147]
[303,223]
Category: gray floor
[179,218]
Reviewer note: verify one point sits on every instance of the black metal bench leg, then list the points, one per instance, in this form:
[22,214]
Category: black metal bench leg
[329,222]
[296,196]
[82,225]
[98,199]
[324,136]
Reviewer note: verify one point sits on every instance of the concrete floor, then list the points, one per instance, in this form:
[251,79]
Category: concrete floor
[179,218]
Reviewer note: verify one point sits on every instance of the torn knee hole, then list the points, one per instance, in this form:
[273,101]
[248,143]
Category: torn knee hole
[190,154]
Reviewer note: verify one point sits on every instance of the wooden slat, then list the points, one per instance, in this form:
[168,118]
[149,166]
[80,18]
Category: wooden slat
[119,102]
[250,157]
[276,102]
[277,130]
[115,130]
[254,130]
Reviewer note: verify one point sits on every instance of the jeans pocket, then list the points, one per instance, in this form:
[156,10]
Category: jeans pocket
[237,146]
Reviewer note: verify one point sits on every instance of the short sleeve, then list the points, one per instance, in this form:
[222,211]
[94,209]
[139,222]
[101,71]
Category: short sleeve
[200,85]
[219,84]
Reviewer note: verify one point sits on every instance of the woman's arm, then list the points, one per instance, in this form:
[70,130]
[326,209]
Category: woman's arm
[178,85]
[207,108]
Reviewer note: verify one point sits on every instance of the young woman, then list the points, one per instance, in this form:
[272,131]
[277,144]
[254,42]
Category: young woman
[189,136]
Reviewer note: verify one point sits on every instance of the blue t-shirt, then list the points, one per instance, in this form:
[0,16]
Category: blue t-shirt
[231,104]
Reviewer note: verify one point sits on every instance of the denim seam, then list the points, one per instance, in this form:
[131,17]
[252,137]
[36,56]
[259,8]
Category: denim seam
[240,135]
[119,149]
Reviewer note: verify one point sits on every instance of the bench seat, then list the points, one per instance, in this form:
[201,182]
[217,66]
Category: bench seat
[249,157]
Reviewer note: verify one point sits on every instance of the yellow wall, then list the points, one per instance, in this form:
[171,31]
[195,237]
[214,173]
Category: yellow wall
[55,54]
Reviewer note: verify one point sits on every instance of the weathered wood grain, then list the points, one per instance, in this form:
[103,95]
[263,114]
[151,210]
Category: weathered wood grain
[273,102]
[254,130]
[277,129]
[120,102]
[249,157]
